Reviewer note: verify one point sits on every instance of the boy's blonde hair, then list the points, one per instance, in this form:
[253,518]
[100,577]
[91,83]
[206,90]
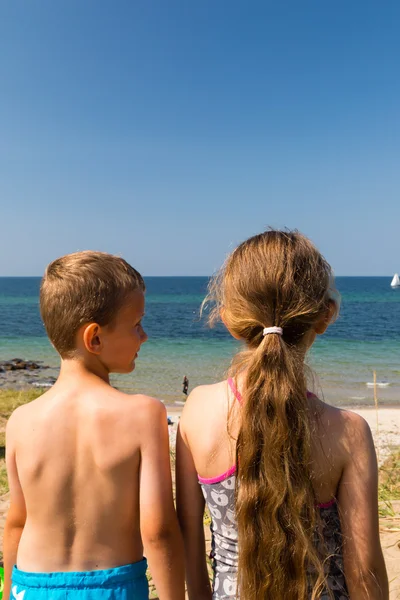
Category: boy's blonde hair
[81,288]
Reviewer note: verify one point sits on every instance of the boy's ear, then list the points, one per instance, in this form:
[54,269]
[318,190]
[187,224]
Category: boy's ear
[92,338]
[322,325]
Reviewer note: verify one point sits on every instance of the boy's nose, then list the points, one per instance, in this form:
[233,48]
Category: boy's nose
[144,337]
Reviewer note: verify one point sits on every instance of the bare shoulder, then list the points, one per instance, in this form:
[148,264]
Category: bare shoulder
[204,394]
[14,423]
[18,423]
[350,429]
[23,413]
[357,432]
[140,407]
[204,403]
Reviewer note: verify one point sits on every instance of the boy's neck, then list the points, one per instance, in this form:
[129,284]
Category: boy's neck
[78,367]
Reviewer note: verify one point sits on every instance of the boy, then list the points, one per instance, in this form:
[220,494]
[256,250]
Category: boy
[88,466]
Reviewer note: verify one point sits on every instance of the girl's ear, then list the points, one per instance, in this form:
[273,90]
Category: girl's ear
[91,337]
[322,325]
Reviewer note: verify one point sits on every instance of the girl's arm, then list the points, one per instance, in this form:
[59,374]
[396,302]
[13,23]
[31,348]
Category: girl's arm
[16,516]
[159,527]
[190,506]
[364,565]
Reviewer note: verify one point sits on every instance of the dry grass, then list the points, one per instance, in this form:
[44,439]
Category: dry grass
[9,401]
[389,484]
[389,478]
[3,477]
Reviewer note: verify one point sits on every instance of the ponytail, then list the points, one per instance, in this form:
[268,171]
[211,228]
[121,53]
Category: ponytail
[275,498]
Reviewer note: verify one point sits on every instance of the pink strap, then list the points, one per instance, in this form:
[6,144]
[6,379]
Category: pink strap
[237,394]
[219,478]
[331,502]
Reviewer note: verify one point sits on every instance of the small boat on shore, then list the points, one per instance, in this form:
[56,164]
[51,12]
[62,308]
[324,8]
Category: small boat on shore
[395,281]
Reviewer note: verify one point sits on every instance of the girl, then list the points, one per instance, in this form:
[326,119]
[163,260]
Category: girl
[289,481]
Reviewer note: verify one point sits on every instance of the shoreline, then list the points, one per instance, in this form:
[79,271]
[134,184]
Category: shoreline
[340,378]
[22,381]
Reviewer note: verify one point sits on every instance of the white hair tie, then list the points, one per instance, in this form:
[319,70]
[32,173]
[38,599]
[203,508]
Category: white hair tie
[268,330]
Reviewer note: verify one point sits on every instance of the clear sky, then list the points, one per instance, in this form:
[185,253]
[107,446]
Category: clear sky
[169,130]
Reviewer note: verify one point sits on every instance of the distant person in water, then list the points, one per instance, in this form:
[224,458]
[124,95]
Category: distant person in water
[289,481]
[185,384]
[88,465]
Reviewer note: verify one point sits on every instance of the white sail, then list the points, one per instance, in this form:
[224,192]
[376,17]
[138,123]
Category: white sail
[395,281]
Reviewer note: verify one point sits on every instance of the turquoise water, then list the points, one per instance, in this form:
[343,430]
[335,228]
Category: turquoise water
[364,338]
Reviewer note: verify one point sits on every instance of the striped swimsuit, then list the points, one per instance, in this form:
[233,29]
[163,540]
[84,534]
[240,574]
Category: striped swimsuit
[219,494]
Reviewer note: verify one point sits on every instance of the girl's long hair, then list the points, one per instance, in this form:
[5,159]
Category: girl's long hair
[275,278]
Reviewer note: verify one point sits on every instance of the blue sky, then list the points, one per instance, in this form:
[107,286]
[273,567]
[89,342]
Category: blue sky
[169,131]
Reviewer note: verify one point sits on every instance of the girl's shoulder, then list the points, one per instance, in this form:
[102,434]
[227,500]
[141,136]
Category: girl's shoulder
[340,436]
[206,404]
[207,393]
[343,425]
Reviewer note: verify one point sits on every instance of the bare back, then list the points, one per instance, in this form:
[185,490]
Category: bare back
[78,454]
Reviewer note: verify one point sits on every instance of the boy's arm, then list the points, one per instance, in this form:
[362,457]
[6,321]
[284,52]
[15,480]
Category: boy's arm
[364,565]
[16,516]
[158,522]
[190,507]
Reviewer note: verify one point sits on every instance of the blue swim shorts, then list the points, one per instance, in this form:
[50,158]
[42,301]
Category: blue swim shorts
[122,583]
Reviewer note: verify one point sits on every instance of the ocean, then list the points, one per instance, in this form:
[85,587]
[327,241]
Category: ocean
[363,339]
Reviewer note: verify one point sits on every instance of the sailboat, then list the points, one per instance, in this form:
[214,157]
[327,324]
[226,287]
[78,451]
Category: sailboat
[395,281]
